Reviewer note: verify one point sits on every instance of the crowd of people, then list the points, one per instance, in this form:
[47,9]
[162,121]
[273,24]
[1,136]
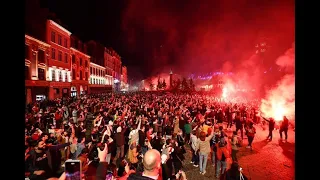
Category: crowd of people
[138,135]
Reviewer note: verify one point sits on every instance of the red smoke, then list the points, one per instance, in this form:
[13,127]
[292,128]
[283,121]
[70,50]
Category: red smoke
[280,100]
[201,37]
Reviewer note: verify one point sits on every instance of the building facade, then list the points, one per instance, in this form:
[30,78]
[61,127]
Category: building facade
[58,64]
[117,64]
[124,79]
[98,81]
[80,63]
[59,72]
[37,55]
[109,64]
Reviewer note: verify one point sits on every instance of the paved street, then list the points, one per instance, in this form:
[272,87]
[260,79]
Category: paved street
[267,161]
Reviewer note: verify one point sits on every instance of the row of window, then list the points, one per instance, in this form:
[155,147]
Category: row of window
[97,72]
[41,76]
[59,37]
[81,75]
[31,56]
[41,56]
[110,64]
[59,78]
[80,61]
[97,81]
[53,55]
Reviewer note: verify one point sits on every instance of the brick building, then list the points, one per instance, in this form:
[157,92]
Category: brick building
[124,79]
[36,58]
[109,64]
[80,63]
[59,64]
[117,64]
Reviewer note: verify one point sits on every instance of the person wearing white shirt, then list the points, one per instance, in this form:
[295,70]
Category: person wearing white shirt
[194,144]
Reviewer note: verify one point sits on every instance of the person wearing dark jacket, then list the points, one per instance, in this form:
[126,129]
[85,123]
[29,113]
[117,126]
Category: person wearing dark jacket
[43,163]
[239,125]
[142,137]
[284,128]
[271,126]
[120,139]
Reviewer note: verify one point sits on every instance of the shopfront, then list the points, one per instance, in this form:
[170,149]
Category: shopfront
[36,91]
[59,90]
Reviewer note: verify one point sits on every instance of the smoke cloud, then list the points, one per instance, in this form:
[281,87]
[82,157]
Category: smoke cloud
[188,36]
[280,100]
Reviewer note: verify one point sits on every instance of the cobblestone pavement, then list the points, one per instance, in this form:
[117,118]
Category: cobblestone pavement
[267,161]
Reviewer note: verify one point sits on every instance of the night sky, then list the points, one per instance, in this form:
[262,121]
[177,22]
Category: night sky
[154,36]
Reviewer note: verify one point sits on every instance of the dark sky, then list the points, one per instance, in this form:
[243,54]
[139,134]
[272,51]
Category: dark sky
[154,36]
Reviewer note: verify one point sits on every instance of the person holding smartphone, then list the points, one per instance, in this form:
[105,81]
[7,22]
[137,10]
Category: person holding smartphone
[73,170]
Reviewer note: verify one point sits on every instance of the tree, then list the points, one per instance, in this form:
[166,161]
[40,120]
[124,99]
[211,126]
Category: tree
[151,85]
[164,84]
[184,85]
[159,85]
[177,84]
[191,85]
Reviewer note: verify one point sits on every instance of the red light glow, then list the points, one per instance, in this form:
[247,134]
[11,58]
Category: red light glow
[280,100]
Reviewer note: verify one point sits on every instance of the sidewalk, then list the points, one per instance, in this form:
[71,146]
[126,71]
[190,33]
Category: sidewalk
[267,160]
